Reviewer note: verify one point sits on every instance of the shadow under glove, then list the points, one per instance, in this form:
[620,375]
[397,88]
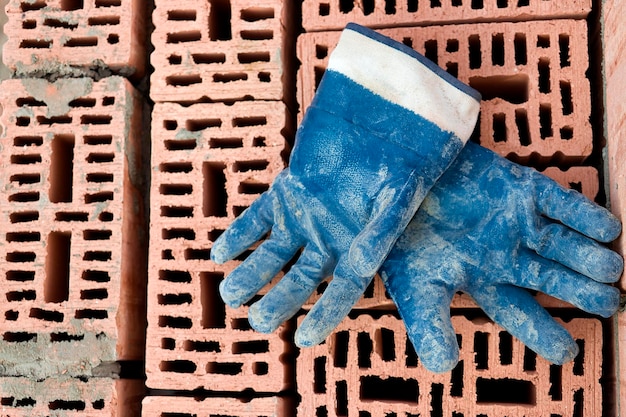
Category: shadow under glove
[491,228]
[383,126]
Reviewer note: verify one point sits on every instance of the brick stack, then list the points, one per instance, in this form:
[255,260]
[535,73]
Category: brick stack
[220,126]
[72,209]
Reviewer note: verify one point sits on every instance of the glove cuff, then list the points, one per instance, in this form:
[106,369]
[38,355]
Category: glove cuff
[404,77]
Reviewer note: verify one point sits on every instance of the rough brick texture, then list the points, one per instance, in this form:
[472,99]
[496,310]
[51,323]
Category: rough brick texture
[72,222]
[367,368]
[209,407]
[536,97]
[209,162]
[220,50]
[60,37]
[320,15]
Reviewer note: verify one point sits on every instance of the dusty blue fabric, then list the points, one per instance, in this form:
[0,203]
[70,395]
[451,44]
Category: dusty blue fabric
[491,228]
[360,168]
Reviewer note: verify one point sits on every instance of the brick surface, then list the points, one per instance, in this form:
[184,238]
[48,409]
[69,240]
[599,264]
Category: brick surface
[209,407]
[59,37]
[366,368]
[73,263]
[220,50]
[532,75]
[318,15]
[209,162]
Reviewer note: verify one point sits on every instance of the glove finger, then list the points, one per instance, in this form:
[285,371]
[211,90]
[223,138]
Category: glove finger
[521,315]
[290,293]
[576,251]
[575,210]
[540,274]
[257,270]
[245,230]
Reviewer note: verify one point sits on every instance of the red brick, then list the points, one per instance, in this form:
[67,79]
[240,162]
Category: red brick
[58,37]
[318,15]
[72,182]
[221,54]
[531,74]
[188,407]
[366,366]
[228,153]
[581,178]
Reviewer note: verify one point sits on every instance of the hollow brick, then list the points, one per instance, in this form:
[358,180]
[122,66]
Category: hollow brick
[233,407]
[369,366]
[68,38]
[236,50]
[322,15]
[72,219]
[536,97]
[209,162]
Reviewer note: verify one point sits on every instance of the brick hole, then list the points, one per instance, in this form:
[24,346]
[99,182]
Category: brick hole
[556,383]
[456,380]
[94,294]
[431,50]
[25,159]
[502,4]
[71,216]
[58,337]
[185,36]
[579,360]
[36,43]
[181,15]
[103,21]
[25,141]
[29,24]
[257,35]
[20,276]
[95,119]
[175,322]
[83,102]
[477,4]
[224,368]
[170,125]
[23,236]
[174,299]
[240,324]
[105,216]
[543,41]
[197,254]
[545,120]
[579,403]
[220,20]
[435,4]
[505,391]
[108,3]
[201,346]
[61,169]
[175,211]
[23,179]
[99,197]
[391,389]
[475,53]
[520,49]
[215,196]
[258,141]
[385,344]
[341,398]
[214,234]
[339,349]
[22,121]
[497,49]
[252,188]
[183,80]
[319,73]
[68,5]
[364,349]
[98,404]
[505,348]
[27,295]
[566,132]
[208,58]
[369,291]
[544,75]
[81,42]
[226,143]
[346,6]
[523,3]
[578,186]
[29,102]
[195,125]
[113,39]
[19,337]
[410,360]
[97,255]
[368,414]
[260,368]
[213,308]
[412,5]
[178,233]
[407,41]
[18,402]
[183,277]
[499,127]
[523,129]
[254,14]
[564,51]
[511,88]
[452,68]
[57,23]
[368,6]
[252,57]
[11,315]
[251,346]
[21,257]
[567,104]
[319,375]
[99,177]
[42,120]
[230,77]
[253,165]
[481,350]
[95,275]
[179,366]
[168,343]
[436,402]
[167,254]
[324,9]
[97,140]
[175,189]
[452,45]
[46,315]
[180,144]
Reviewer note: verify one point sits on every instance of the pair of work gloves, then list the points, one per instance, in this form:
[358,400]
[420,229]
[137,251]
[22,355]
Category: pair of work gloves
[385,136]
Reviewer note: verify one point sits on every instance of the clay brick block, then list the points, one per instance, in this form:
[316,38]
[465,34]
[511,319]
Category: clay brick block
[189,407]
[209,162]
[536,97]
[368,367]
[76,37]
[319,15]
[68,396]
[72,221]
[220,50]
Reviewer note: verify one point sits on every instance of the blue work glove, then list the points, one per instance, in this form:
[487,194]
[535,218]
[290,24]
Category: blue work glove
[491,228]
[385,123]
